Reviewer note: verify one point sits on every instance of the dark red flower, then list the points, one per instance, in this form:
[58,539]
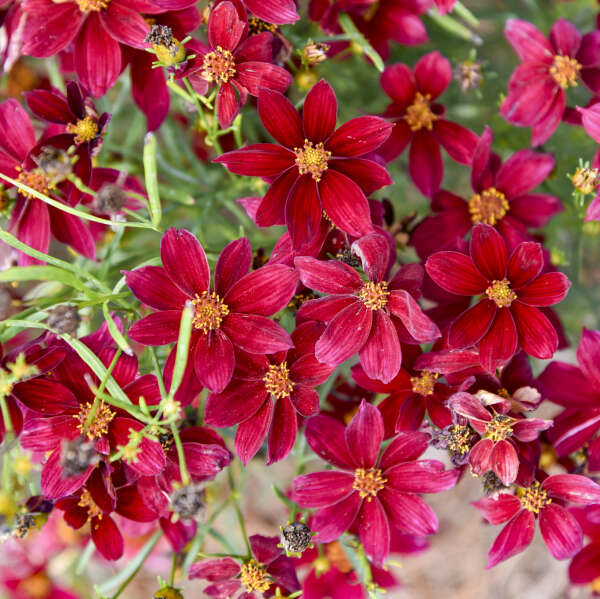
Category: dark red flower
[421,123]
[536,90]
[585,566]
[506,315]
[560,530]
[377,493]
[278,12]
[233,314]
[316,167]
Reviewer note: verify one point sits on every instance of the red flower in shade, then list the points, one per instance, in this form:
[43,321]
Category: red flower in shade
[536,90]
[369,317]
[506,317]
[238,64]
[376,493]
[560,530]
[278,12]
[585,567]
[263,573]
[496,450]
[421,123]
[266,393]
[501,198]
[316,167]
[232,315]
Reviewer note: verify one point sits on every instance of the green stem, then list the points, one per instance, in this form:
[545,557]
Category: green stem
[100,391]
[238,512]
[185,477]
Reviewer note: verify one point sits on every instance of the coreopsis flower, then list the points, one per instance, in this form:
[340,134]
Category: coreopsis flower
[267,570]
[276,12]
[267,394]
[376,493]
[420,121]
[510,290]
[560,530]
[585,566]
[316,168]
[502,197]
[12,22]
[231,315]
[537,88]
[489,415]
[369,317]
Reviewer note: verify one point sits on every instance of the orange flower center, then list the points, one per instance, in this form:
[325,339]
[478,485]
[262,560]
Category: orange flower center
[565,71]
[219,65]
[374,295]
[36,180]
[88,502]
[368,482]
[98,420]
[488,207]
[423,385]
[277,380]
[254,576]
[501,293]
[312,159]
[338,558]
[419,115]
[209,311]
[534,498]
[84,129]
[499,428]
[92,5]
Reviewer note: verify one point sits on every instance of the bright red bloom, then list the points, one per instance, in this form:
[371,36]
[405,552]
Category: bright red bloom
[420,122]
[585,566]
[377,493]
[506,315]
[278,12]
[536,90]
[496,449]
[369,317]
[316,167]
[266,395]
[560,530]
[233,314]
[502,198]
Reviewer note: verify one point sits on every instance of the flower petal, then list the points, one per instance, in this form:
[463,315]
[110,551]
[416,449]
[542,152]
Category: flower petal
[572,487]
[525,264]
[404,306]
[425,162]
[374,532]
[153,287]
[424,476]
[156,329]
[329,276]
[256,334]
[326,437]
[497,510]
[561,532]
[258,160]
[456,273]
[505,461]
[472,324]
[409,513]
[319,112]
[381,355]
[500,343]
[364,435]
[233,263]
[282,434]
[433,74]
[537,336]
[548,289]
[488,251]
[320,489]
[514,538]
[330,522]
[280,118]
[214,360]
[528,41]
[252,432]
[225,28]
[404,448]
[184,260]
[359,136]
[588,356]
[523,171]
[240,401]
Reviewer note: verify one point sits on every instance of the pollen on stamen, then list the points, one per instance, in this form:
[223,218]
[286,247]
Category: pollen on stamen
[501,293]
[419,114]
[374,295]
[489,207]
[254,576]
[87,501]
[312,159]
[534,498]
[218,66]
[36,180]
[84,129]
[277,381]
[425,383]
[499,427]
[92,5]
[209,311]
[368,482]
[98,426]
[565,71]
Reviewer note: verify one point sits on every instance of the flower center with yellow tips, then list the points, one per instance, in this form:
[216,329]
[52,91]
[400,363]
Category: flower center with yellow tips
[489,207]
[374,295]
[419,115]
[277,380]
[565,71]
[368,482]
[92,5]
[312,159]
[254,576]
[84,129]
[499,428]
[501,293]
[218,66]
[534,498]
[99,420]
[424,384]
[209,311]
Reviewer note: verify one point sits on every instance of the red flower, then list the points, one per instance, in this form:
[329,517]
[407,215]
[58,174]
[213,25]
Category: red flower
[496,450]
[369,317]
[316,167]
[501,198]
[585,566]
[536,90]
[278,12]
[560,530]
[506,317]
[266,394]
[232,315]
[421,123]
[376,493]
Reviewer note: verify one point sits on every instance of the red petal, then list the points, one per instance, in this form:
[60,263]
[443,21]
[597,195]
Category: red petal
[46,105]
[528,41]
[381,355]
[359,136]
[566,385]
[215,569]
[456,273]
[328,276]
[424,476]
[565,38]
[125,25]
[548,289]
[46,397]
[320,112]
[233,263]
[324,309]
[214,360]
[584,567]
[469,406]
[271,210]
[500,343]
[404,448]
[369,175]
[283,432]
[256,334]
[256,76]
[525,264]
[472,324]
[364,435]
[561,532]
[409,513]
[433,74]
[303,211]
[107,537]
[240,401]
[225,28]
[326,438]
[34,230]
[280,118]
[320,489]
[149,89]
[153,287]
[514,538]
[425,162]
[251,433]
[306,401]
[505,461]
[278,12]
[588,356]
[497,510]
[374,253]
[156,329]
[479,456]
[228,104]
[573,487]
[374,532]
[330,522]
[398,82]
[537,336]
[258,160]
[488,251]
[404,306]
[523,171]
[458,141]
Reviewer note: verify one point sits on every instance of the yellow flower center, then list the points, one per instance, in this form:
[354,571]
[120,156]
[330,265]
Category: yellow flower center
[88,502]
[91,5]
[501,293]
[368,482]
[488,207]
[460,438]
[219,66]
[499,427]
[423,385]
[254,576]
[534,498]
[585,180]
[170,56]
[565,71]
[256,26]
[98,420]
[312,159]
[374,295]
[419,115]
[209,311]
[277,380]
[84,129]
[36,180]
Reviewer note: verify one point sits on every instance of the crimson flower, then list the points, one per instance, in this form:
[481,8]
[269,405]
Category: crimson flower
[316,167]
[496,449]
[585,566]
[536,89]
[278,12]
[267,394]
[421,123]
[369,317]
[560,530]
[375,493]
[233,314]
[502,198]
[506,316]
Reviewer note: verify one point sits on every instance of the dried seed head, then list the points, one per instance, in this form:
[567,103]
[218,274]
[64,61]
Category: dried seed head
[188,502]
[347,256]
[468,74]
[54,163]
[22,525]
[110,198]
[76,456]
[64,319]
[492,484]
[295,537]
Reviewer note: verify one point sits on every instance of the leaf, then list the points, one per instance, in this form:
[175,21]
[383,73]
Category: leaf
[44,273]
[355,35]
[114,331]
[183,346]
[151,179]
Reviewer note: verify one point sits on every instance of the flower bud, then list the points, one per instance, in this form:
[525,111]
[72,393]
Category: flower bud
[76,456]
[64,319]
[295,537]
[314,53]
[110,199]
[585,179]
[188,502]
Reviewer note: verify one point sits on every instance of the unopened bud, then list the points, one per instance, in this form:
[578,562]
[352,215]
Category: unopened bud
[110,198]
[295,537]
[468,74]
[168,592]
[585,179]
[64,319]
[188,502]
[315,52]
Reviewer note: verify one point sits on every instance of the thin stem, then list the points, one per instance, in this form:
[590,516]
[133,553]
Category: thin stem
[238,512]
[185,477]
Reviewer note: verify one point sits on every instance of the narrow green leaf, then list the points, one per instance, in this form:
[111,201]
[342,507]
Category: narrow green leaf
[43,273]
[114,331]
[355,35]
[151,179]
[183,346]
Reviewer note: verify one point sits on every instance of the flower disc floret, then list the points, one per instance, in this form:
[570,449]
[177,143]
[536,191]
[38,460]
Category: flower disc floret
[36,180]
[534,498]
[499,428]
[312,159]
[209,311]
[501,293]
[565,71]
[84,129]
[100,419]
[86,500]
[424,384]
[459,439]
[419,114]
[219,66]
[254,576]
[368,482]
[374,295]
[489,207]
[277,380]
[92,5]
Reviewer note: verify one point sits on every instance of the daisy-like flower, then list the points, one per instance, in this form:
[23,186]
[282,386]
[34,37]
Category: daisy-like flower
[537,88]
[278,12]
[266,396]
[230,314]
[369,317]
[375,492]
[510,290]
[316,168]
[560,530]
[502,197]
[420,121]
[585,566]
